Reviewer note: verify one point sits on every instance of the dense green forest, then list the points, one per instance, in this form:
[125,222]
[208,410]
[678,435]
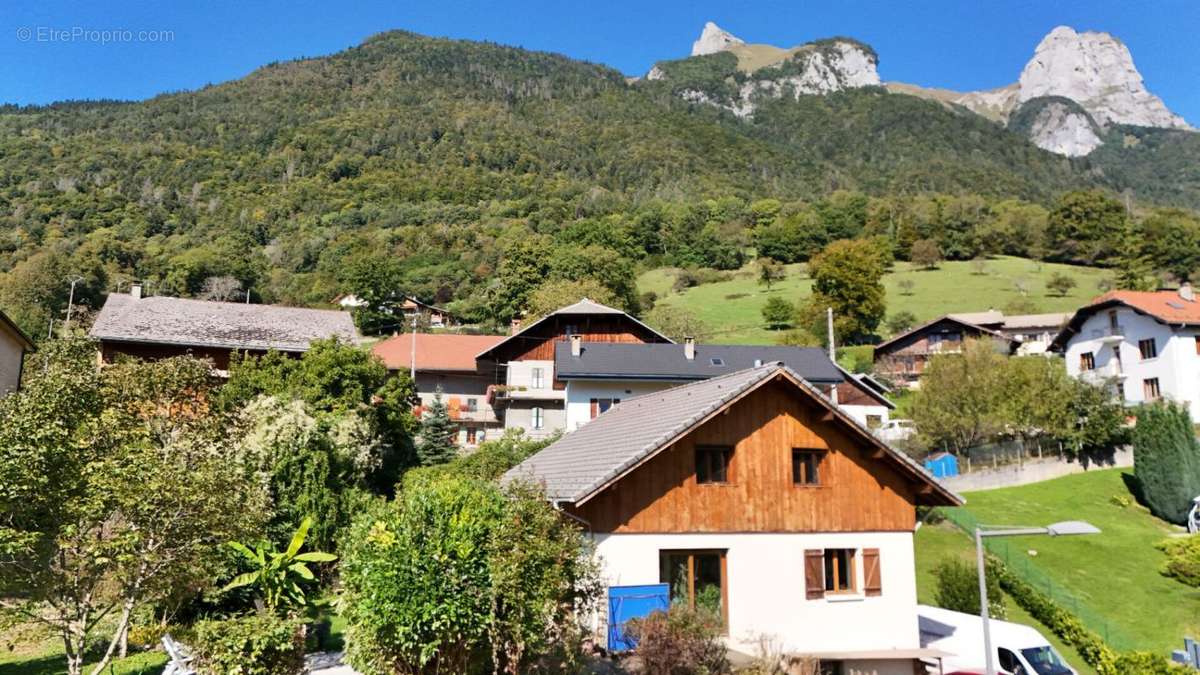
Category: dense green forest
[469,173]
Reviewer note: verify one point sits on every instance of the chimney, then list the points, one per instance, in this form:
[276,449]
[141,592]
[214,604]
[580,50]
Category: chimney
[689,347]
[1186,292]
[135,291]
[516,327]
[576,345]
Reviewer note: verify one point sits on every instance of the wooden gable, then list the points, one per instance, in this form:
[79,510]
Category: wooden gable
[860,490]
[537,342]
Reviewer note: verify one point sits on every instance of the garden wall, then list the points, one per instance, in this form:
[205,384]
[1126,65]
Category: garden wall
[1031,471]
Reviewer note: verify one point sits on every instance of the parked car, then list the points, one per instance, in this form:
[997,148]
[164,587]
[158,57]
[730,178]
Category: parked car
[897,430]
[1019,649]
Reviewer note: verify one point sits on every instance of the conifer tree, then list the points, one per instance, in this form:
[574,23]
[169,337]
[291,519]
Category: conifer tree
[436,440]
[1166,460]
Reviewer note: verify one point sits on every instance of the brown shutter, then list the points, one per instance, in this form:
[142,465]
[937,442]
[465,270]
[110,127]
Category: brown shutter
[814,573]
[871,573]
[595,408]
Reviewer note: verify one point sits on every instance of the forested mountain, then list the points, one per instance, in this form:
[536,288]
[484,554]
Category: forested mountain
[467,172]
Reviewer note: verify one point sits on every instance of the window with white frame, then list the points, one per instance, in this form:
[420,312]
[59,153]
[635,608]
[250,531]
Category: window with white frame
[538,378]
[538,418]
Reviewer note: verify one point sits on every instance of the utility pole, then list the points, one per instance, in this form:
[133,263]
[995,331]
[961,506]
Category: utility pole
[71,298]
[412,371]
[833,393]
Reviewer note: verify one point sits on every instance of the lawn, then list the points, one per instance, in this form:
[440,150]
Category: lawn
[48,659]
[935,543]
[1115,574]
[732,308]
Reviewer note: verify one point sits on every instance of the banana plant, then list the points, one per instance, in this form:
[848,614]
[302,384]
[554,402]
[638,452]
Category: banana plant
[279,575]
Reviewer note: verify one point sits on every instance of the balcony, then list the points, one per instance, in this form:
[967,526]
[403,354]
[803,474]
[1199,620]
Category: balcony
[1108,371]
[1110,336]
[501,394]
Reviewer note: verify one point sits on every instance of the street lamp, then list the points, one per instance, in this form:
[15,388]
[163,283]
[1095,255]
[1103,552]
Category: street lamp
[1063,529]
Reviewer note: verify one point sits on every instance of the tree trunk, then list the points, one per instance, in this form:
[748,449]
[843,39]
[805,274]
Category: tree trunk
[122,632]
[123,650]
[74,646]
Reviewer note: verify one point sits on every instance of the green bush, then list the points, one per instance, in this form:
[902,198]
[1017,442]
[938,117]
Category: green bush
[1183,559]
[456,572]
[1166,460]
[258,644]
[680,641]
[958,589]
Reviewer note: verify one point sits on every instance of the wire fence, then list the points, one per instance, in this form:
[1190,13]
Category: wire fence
[1017,561]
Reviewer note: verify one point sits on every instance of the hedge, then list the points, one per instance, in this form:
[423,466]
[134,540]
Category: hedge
[1071,630]
[257,644]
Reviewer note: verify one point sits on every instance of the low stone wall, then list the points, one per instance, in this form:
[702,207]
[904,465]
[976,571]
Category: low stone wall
[1031,471]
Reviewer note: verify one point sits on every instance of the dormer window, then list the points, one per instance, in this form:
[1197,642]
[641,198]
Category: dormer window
[717,361]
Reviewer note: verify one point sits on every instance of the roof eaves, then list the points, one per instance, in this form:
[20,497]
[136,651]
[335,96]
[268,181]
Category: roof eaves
[16,330]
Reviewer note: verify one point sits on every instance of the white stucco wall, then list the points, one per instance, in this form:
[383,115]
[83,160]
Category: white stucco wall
[520,373]
[1177,366]
[860,413]
[11,353]
[766,588]
[581,392]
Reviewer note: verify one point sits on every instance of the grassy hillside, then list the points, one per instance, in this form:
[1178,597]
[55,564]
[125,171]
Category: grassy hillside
[732,308]
[1113,574]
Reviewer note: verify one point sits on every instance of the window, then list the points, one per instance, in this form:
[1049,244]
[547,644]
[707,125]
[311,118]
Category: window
[471,405]
[472,436]
[1087,361]
[712,463]
[839,570]
[696,578]
[1150,390]
[717,361]
[1113,326]
[832,571]
[1009,662]
[537,378]
[874,421]
[601,405]
[1148,348]
[805,466]
[538,418]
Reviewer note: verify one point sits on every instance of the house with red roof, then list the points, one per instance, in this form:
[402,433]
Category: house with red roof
[446,362]
[1141,344]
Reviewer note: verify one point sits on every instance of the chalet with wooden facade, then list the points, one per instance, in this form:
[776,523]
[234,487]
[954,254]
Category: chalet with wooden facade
[161,327]
[14,345]
[527,392]
[445,362]
[902,359]
[755,495]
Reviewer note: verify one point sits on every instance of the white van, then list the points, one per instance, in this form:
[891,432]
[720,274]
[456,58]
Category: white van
[1020,650]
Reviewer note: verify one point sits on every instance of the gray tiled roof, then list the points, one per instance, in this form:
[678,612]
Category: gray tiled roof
[584,460]
[232,325]
[623,361]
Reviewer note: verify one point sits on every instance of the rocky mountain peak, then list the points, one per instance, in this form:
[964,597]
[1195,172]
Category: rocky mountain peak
[714,39]
[1096,70]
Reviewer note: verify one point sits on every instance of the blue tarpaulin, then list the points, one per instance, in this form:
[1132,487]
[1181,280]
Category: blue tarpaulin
[632,602]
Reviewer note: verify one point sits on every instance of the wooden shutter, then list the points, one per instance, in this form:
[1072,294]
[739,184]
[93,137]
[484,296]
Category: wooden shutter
[595,408]
[871,574]
[814,573]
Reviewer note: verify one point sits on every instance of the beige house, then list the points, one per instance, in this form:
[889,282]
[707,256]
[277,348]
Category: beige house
[13,346]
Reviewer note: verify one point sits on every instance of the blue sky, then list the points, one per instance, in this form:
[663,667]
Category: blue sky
[957,44]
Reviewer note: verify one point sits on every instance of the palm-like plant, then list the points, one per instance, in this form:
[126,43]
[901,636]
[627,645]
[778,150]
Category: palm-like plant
[279,575]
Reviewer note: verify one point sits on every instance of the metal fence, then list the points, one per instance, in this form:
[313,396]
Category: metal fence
[1020,564]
